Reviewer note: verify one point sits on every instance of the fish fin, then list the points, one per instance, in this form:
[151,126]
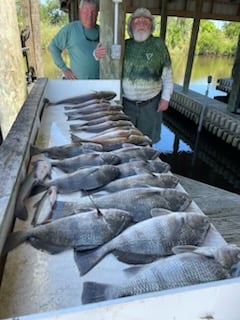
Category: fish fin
[141,185]
[36,204]
[94,292]
[235,270]
[14,239]
[99,193]
[156,212]
[46,221]
[86,260]
[98,214]
[59,210]
[133,258]
[44,246]
[89,183]
[35,222]
[75,138]
[34,150]
[127,144]
[182,249]
[37,189]
[21,213]
[131,271]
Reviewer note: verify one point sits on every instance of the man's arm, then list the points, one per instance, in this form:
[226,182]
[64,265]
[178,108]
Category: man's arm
[167,88]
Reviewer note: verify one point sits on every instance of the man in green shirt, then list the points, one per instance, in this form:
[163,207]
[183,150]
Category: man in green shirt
[81,40]
[147,75]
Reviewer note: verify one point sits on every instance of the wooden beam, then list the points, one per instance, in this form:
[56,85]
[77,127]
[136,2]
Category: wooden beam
[163,29]
[234,99]
[13,88]
[193,41]
[111,68]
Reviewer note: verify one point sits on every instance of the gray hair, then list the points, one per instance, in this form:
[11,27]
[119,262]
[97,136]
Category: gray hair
[93,2]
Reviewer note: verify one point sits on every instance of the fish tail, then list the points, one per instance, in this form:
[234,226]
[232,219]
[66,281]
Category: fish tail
[34,150]
[86,260]
[76,138]
[94,292]
[14,239]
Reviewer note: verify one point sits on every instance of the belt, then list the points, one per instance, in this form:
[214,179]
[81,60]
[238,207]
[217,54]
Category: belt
[144,102]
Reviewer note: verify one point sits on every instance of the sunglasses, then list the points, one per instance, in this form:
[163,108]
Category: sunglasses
[87,38]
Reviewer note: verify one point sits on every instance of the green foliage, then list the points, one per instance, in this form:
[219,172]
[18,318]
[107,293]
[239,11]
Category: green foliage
[52,19]
[231,30]
[214,41]
[211,40]
[50,13]
[178,33]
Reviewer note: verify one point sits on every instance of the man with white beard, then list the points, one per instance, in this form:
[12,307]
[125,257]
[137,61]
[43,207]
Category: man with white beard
[147,75]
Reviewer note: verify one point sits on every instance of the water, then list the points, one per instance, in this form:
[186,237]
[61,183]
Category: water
[200,157]
[203,158]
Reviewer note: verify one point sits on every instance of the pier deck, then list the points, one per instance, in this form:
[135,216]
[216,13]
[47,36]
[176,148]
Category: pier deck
[221,206]
[216,117]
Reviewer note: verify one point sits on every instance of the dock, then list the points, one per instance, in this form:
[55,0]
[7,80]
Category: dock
[221,206]
[216,118]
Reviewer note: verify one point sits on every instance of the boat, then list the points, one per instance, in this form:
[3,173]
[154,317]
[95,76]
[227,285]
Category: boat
[36,285]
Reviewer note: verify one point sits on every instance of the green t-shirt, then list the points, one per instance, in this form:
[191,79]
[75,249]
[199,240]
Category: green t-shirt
[143,65]
[80,43]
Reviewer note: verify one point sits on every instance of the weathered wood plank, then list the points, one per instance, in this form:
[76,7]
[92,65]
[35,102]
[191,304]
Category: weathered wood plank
[222,207]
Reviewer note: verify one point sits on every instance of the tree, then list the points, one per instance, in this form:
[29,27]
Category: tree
[51,13]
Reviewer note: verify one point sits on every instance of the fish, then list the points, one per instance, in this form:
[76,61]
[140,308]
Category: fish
[158,166]
[41,169]
[149,240]
[85,230]
[138,201]
[93,115]
[108,95]
[102,119]
[142,166]
[84,179]
[67,150]
[128,129]
[94,108]
[193,266]
[137,152]
[72,164]
[44,206]
[115,137]
[86,103]
[140,180]
[101,126]
[141,140]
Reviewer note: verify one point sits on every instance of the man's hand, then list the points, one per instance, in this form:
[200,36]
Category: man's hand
[69,75]
[163,105]
[100,51]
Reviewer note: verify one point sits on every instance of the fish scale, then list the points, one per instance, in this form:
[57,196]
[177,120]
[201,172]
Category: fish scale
[85,230]
[150,239]
[186,268]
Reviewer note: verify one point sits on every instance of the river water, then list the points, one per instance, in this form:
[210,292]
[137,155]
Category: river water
[202,158]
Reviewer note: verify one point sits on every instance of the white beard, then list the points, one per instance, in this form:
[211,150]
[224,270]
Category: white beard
[141,36]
